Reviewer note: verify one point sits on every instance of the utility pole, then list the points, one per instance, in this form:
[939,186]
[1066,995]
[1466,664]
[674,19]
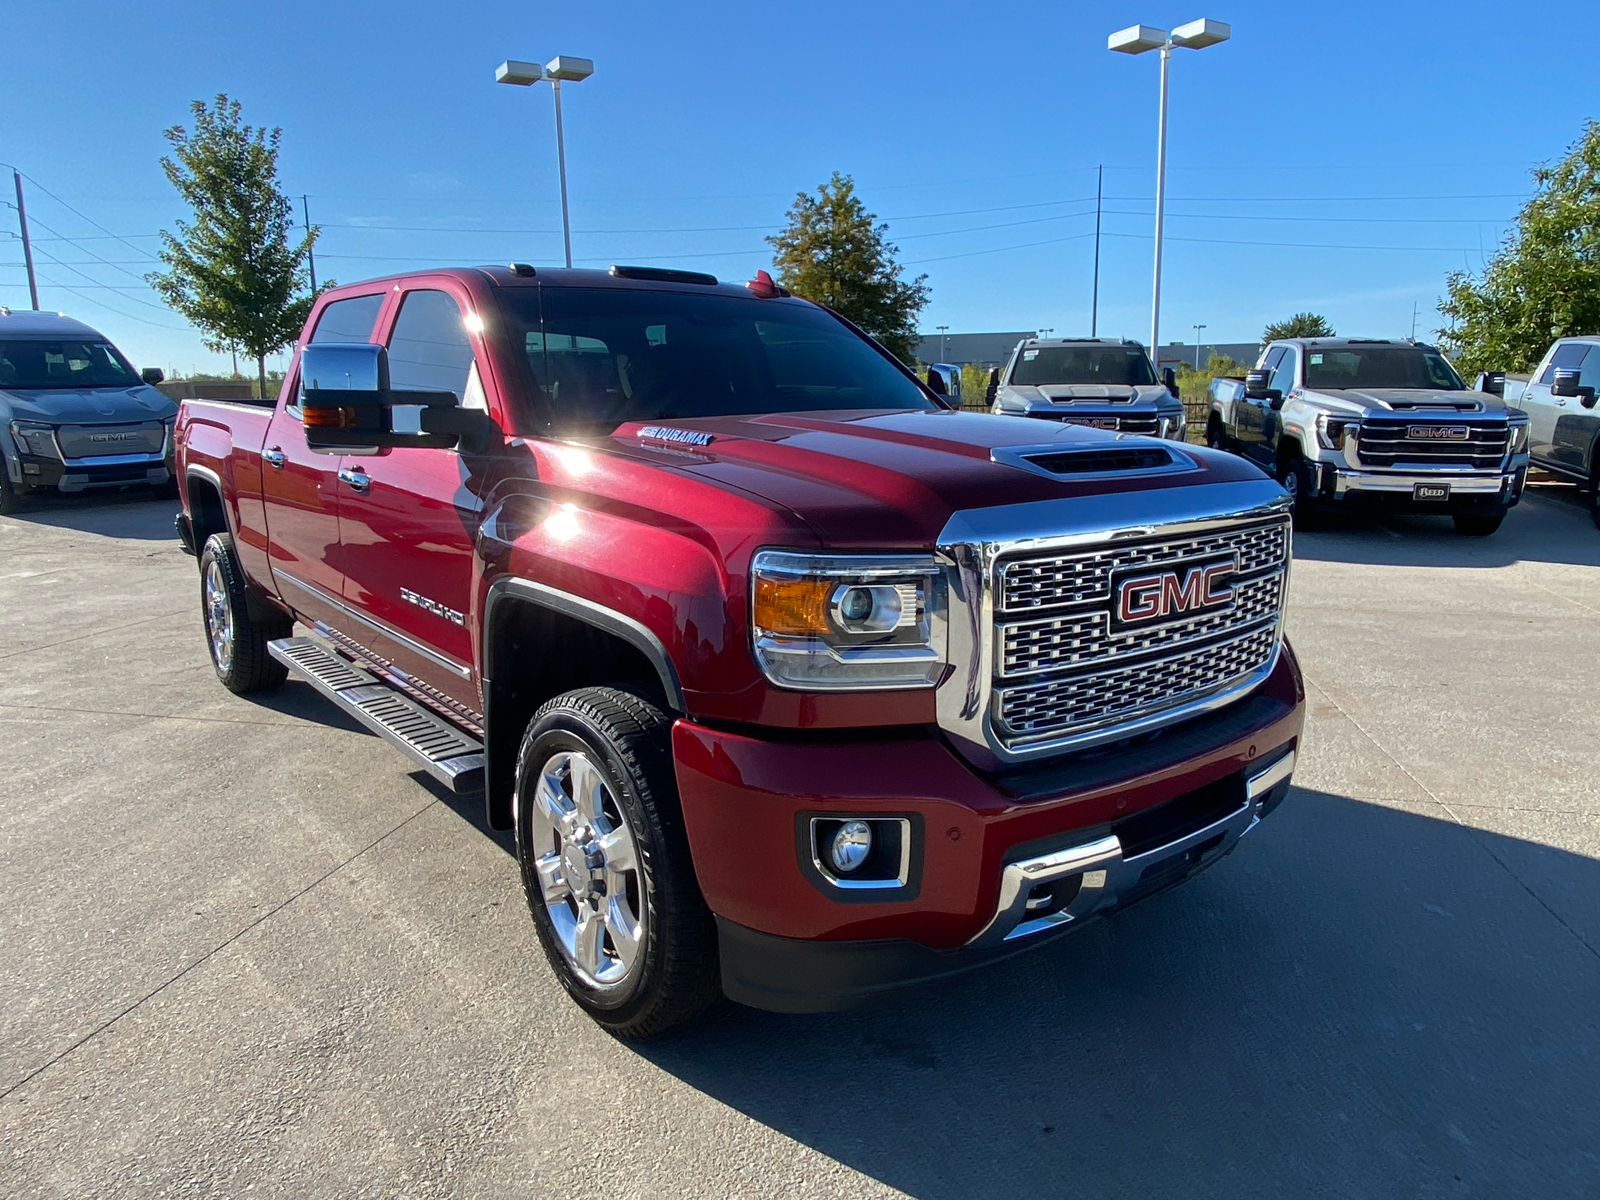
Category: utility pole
[1413,320]
[27,246]
[311,254]
[1197,330]
[1094,307]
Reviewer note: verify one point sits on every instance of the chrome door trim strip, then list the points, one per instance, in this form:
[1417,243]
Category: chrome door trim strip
[433,656]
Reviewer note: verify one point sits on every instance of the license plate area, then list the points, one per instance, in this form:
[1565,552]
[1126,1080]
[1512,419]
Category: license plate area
[1430,491]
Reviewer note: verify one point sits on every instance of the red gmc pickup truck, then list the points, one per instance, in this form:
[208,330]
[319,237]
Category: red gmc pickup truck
[794,684]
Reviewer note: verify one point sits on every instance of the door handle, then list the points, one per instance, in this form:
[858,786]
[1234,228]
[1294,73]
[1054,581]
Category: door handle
[274,456]
[355,478]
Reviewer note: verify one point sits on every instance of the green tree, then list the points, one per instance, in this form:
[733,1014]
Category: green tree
[1544,281]
[833,252]
[1301,325]
[233,272]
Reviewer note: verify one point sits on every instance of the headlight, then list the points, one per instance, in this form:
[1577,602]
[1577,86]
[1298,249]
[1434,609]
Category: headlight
[1518,438]
[1175,428]
[1331,431]
[833,622]
[38,440]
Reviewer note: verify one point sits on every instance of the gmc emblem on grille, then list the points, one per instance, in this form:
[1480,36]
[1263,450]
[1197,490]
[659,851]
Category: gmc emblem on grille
[1436,433]
[1157,595]
[114,437]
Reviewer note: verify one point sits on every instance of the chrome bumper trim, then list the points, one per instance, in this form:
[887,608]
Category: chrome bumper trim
[1107,875]
[1467,483]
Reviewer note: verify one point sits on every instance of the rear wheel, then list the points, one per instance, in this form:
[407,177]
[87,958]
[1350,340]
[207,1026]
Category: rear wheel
[237,642]
[1479,524]
[606,865]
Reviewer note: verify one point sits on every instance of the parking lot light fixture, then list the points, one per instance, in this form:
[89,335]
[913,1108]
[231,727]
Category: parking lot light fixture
[562,67]
[1137,39]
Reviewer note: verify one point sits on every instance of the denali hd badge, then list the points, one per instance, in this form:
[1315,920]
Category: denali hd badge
[1436,433]
[433,606]
[1155,595]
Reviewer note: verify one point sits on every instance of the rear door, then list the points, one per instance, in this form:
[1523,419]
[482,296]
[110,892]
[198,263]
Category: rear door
[409,516]
[300,489]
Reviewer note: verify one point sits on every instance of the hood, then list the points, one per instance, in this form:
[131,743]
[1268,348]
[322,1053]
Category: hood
[877,480]
[1424,401]
[88,406]
[1123,397]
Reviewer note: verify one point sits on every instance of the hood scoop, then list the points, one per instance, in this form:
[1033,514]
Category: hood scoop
[1435,405]
[1093,462]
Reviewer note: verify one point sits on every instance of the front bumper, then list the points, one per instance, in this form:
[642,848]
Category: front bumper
[1000,862]
[1468,489]
[77,475]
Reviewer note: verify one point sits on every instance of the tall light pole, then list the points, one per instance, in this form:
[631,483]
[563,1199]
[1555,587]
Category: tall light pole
[1197,330]
[563,67]
[1136,39]
[943,342]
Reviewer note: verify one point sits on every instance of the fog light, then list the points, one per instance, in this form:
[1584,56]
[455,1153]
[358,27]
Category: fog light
[850,846]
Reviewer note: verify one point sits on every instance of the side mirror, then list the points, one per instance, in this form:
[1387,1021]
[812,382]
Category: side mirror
[1169,379]
[1255,388]
[1493,382]
[1565,382]
[994,386]
[944,379]
[347,405]
[153,375]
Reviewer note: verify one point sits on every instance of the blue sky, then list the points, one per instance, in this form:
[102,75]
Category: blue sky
[1340,158]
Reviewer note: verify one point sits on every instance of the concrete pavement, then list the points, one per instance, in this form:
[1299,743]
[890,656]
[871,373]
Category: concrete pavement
[246,949]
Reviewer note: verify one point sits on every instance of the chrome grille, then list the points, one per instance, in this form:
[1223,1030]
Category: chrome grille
[1385,441]
[1141,423]
[1079,578]
[1058,706]
[1082,639]
[98,441]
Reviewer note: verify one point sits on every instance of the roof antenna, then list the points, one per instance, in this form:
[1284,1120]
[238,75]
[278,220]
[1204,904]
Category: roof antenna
[763,286]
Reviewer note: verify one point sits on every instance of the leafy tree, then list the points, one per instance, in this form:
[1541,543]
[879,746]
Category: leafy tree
[234,272]
[1544,281]
[833,252]
[1301,325]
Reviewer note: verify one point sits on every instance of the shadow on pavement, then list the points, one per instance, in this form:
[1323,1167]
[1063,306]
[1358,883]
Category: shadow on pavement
[1360,1002]
[135,514]
[1549,525]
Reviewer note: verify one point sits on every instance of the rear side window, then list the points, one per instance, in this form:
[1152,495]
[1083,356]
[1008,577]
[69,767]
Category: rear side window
[429,350]
[348,320]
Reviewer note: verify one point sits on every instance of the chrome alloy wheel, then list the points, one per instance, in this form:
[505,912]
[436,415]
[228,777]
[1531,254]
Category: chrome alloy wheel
[219,616]
[588,869]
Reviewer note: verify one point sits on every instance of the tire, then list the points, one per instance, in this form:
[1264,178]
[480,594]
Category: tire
[1216,438]
[238,644]
[1479,524]
[596,801]
[10,495]
[1594,504]
[1295,475]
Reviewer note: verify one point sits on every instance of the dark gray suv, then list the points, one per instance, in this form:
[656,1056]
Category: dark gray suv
[73,414]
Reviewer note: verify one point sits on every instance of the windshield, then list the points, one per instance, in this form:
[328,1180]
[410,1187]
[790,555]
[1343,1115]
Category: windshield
[1122,366]
[1381,367]
[605,356]
[39,364]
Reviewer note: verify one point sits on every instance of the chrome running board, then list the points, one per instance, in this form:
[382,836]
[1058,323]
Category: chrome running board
[439,748]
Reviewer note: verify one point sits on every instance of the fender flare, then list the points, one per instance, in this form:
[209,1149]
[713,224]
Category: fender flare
[598,615]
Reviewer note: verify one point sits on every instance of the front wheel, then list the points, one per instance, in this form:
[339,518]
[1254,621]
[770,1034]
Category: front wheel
[10,494]
[237,642]
[1478,524]
[606,865]
[1295,475]
[1215,437]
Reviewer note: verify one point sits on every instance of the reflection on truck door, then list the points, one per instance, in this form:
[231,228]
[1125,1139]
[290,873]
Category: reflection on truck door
[1576,426]
[1542,408]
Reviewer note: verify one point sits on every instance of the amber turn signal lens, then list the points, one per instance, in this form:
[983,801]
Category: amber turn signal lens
[328,418]
[798,607]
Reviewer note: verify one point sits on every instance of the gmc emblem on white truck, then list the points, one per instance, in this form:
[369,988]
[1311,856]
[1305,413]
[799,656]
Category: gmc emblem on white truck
[1436,433]
[1157,595]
